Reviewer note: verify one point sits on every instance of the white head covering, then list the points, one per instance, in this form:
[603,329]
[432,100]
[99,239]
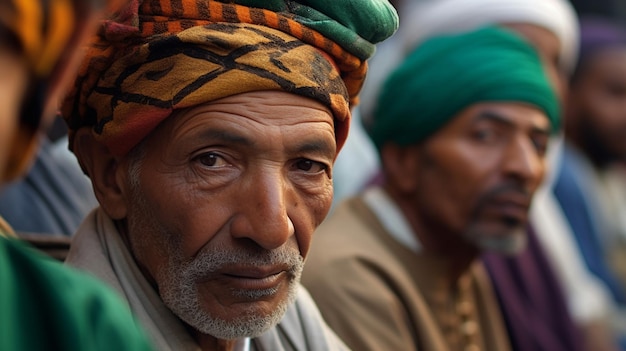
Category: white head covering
[425,19]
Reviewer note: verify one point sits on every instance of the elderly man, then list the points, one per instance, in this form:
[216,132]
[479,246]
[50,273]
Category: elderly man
[209,131]
[44,305]
[565,292]
[461,126]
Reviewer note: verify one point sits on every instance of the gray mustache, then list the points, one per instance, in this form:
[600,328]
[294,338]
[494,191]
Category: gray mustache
[213,261]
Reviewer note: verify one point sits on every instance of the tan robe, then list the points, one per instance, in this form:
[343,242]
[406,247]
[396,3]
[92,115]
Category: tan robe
[378,294]
[98,249]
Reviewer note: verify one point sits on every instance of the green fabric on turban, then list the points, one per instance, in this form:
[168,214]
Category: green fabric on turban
[446,74]
[356,25]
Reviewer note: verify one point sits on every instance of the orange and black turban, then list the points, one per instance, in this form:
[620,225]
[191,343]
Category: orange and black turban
[156,56]
[45,34]
[42,32]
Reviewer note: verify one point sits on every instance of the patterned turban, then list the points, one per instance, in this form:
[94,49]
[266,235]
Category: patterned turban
[156,56]
[41,32]
[45,35]
[447,74]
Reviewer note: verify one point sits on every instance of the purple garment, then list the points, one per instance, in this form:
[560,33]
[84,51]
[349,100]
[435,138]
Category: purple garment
[532,301]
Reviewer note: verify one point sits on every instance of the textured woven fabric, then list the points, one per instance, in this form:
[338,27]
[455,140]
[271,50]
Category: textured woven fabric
[44,34]
[155,57]
[449,73]
[40,28]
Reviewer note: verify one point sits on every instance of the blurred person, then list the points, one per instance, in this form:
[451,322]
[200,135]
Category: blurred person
[209,131]
[44,305]
[590,191]
[551,263]
[615,10]
[52,199]
[461,127]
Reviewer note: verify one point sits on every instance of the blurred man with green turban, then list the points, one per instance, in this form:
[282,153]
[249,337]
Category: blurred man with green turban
[209,130]
[461,126]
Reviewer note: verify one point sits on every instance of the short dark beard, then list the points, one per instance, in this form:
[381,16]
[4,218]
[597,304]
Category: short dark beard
[593,144]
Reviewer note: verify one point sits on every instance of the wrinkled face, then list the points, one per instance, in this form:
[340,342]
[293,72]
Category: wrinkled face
[476,176]
[224,201]
[598,106]
[13,81]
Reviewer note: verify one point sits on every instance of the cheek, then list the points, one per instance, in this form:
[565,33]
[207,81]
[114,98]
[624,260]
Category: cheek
[310,211]
[321,203]
[151,242]
[453,196]
[460,174]
[605,116]
[615,114]
[183,212]
[443,206]
[452,187]
[199,222]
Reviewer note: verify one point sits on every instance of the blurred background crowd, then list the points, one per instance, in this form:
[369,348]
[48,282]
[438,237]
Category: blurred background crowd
[579,216]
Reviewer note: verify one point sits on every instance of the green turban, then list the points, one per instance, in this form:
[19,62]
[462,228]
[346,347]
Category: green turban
[446,74]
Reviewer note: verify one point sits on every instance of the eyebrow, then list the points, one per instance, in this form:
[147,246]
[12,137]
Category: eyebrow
[225,136]
[500,119]
[317,146]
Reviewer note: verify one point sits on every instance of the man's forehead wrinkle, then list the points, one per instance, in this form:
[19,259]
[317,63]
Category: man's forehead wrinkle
[229,135]
[255,110]
[493,115]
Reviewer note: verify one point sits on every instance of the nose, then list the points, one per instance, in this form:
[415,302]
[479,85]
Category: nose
[524,163]
[263,216]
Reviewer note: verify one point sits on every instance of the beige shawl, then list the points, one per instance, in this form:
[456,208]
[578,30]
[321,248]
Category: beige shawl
[98,248]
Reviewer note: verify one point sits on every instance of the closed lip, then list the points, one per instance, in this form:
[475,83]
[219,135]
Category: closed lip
[512,206]
[254,278]
[512,199]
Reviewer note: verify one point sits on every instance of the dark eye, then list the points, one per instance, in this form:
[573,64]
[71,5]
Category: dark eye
[211,159]
[484,134]
[541,145]
[310,166]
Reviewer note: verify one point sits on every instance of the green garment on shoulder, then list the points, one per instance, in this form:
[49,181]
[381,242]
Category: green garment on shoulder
[47,306]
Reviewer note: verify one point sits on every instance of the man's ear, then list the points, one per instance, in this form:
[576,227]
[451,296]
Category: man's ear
[401,167]
[104,170]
